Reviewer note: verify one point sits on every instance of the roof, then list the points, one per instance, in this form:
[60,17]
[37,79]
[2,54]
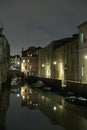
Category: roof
[82,24]
[62,42]
[18,56]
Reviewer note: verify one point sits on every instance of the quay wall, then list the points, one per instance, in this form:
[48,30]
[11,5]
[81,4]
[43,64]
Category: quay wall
[54,84]
[78,88]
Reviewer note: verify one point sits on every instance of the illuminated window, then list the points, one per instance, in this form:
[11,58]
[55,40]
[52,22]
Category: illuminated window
[81,37]
[30,67]
[82,70]
[27,60]
[23,60]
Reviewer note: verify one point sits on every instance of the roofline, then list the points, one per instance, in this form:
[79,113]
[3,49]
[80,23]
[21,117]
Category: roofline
[82,24]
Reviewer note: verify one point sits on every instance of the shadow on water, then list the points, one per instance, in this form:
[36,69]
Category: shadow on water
[26,108]
[4,104]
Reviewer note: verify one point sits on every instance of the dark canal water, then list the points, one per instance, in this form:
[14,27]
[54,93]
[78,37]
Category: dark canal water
[30,109]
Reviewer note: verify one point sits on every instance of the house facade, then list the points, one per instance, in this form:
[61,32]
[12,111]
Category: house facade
[29,61]
[15,62]
[66,59]
[59,60]
[82,28]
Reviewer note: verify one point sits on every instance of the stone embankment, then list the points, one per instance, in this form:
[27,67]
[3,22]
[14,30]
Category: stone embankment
[75,88]
[78,88]
[54,84]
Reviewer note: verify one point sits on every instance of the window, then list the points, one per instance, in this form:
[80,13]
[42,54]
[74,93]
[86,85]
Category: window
[26,67]
[82,70]
[30,67]
[28,61]
[81,37]
[23,61]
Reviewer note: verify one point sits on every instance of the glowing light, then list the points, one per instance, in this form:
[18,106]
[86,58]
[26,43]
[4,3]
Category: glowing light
[54,62]
[54,108]
[23,97]
[86,57]
[18,95]
[27,97]
[18,63]
[23,61]
[27,60]
[42,65]
[47,71]
[30,102]
[22,90]
[42,97]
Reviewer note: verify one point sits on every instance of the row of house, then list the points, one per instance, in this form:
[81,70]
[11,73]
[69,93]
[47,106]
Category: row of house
[64,59]
[60,59]
[27,62]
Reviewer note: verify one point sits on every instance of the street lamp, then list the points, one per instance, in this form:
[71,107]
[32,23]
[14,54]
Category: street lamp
[85,56]
[54,62]
[42,65]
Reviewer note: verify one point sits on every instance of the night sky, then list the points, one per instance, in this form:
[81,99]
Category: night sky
[38,22]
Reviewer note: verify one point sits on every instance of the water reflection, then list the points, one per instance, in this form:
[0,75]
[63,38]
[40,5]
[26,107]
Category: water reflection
[4,103]
[55,108]
[25,108]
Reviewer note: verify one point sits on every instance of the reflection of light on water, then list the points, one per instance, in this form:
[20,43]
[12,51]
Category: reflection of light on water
[30,102]
[36,104]
[27,97]
[23,97]
[60,106]
[30,90]
[42,97]
[54,108]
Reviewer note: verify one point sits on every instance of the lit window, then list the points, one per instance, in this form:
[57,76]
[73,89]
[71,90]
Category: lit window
[23,60]
[30,67]
[81,37]
[27,60]
[82,70]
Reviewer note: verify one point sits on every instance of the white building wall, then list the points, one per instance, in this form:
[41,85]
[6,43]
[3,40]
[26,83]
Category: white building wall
[83,52]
